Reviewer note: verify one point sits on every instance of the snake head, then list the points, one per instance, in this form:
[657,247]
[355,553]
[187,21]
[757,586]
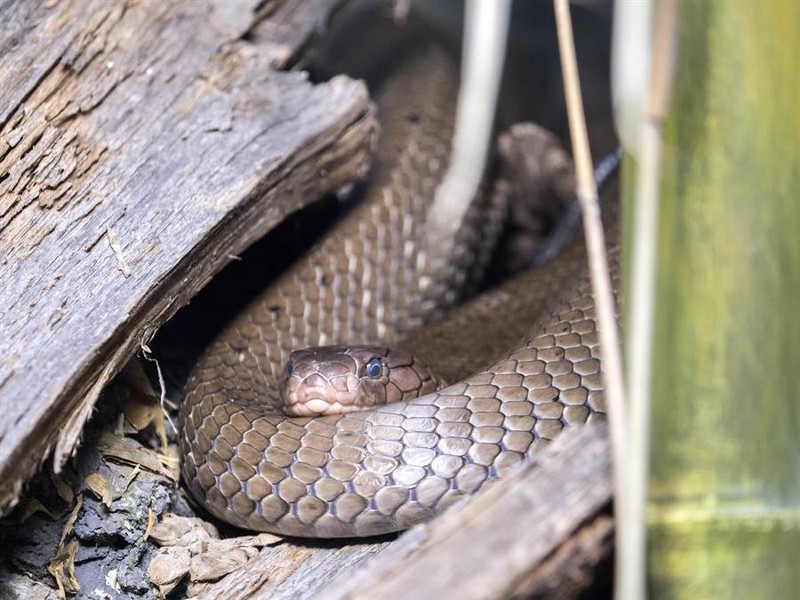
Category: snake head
[333,380]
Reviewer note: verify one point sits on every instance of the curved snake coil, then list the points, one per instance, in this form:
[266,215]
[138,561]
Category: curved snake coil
[371,280]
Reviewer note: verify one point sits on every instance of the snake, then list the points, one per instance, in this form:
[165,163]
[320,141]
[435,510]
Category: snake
[369,284]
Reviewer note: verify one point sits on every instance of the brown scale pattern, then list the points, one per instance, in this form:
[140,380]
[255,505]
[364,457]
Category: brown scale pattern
[384,469]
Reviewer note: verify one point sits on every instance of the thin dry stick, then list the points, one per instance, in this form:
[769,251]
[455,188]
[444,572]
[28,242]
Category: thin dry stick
[162,401]
[598,263]
[631,583]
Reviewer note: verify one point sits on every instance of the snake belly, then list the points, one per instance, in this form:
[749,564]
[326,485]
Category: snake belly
[372,280]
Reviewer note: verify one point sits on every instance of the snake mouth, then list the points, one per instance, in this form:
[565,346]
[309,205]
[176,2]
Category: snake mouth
[315,406]
[310,407]
[315,395]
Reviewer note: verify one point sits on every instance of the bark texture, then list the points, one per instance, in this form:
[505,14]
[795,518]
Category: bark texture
[142,144]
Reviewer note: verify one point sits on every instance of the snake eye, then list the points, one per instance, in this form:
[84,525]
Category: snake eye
[288,368]
[373,369]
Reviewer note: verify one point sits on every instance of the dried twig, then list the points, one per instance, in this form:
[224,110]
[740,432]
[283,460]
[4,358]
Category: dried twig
[598,264]
[147,353]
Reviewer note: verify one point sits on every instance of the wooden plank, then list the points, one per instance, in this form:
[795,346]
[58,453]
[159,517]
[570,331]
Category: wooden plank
[142,145]
[493,545]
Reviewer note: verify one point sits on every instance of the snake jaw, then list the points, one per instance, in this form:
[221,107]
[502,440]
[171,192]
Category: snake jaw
[316,395]
[313,395]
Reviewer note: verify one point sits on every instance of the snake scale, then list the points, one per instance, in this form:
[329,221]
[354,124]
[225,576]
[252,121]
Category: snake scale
[372,280]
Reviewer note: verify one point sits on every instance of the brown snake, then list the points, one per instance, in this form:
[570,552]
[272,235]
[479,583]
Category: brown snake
[371,280]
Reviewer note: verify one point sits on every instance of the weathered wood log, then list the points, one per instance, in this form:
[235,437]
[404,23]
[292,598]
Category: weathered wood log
[141,146]
[295,570]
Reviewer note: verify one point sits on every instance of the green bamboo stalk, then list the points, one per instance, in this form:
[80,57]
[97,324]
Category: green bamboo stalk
[724,496]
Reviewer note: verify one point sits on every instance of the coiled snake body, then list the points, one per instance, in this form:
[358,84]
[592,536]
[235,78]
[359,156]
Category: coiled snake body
[372,280]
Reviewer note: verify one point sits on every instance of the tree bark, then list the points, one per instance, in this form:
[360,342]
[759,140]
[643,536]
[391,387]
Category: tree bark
[142,145]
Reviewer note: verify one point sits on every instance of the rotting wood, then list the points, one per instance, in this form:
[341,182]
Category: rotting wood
[166,126]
